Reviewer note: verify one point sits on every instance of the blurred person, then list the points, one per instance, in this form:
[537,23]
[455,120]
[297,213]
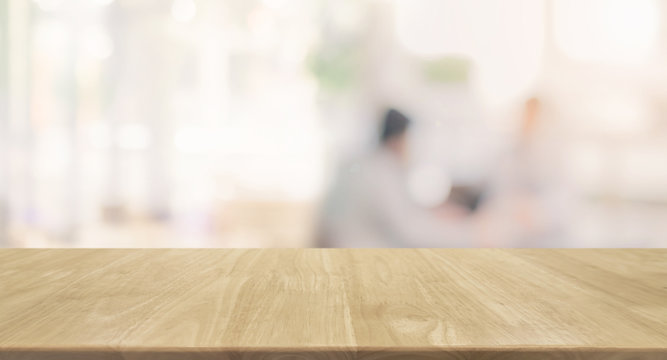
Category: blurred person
[370,205]
[527,201]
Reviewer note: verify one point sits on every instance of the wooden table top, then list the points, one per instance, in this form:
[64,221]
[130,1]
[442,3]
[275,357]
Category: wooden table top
[332,304]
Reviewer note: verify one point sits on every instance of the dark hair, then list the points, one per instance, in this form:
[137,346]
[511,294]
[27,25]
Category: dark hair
[395,124]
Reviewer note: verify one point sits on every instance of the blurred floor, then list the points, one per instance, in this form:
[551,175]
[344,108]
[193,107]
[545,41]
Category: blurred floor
[243,224]
[263,224]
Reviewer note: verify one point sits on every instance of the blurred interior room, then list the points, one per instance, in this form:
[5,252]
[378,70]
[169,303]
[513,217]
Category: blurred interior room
[230,123]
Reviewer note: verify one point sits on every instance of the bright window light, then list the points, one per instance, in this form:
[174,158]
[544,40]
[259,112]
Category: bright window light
[98,44]
[48,5]
[134,136]
[103,2]
[194,140]
[503,38]
[607,31]
[183,10]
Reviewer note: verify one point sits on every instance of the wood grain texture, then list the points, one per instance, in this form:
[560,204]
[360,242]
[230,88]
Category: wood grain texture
[271,304]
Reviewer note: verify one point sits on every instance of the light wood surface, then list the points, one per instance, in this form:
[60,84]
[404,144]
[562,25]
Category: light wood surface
[332,304]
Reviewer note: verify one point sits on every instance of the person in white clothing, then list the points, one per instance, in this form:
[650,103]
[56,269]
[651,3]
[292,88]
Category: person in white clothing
[370,206]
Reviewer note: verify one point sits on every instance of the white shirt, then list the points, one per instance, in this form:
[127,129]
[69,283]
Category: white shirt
[370,207]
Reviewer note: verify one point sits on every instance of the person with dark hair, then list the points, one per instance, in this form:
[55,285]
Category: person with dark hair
[394,125]
[370,204]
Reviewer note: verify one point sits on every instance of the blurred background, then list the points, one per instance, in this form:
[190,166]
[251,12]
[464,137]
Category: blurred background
[227,123]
